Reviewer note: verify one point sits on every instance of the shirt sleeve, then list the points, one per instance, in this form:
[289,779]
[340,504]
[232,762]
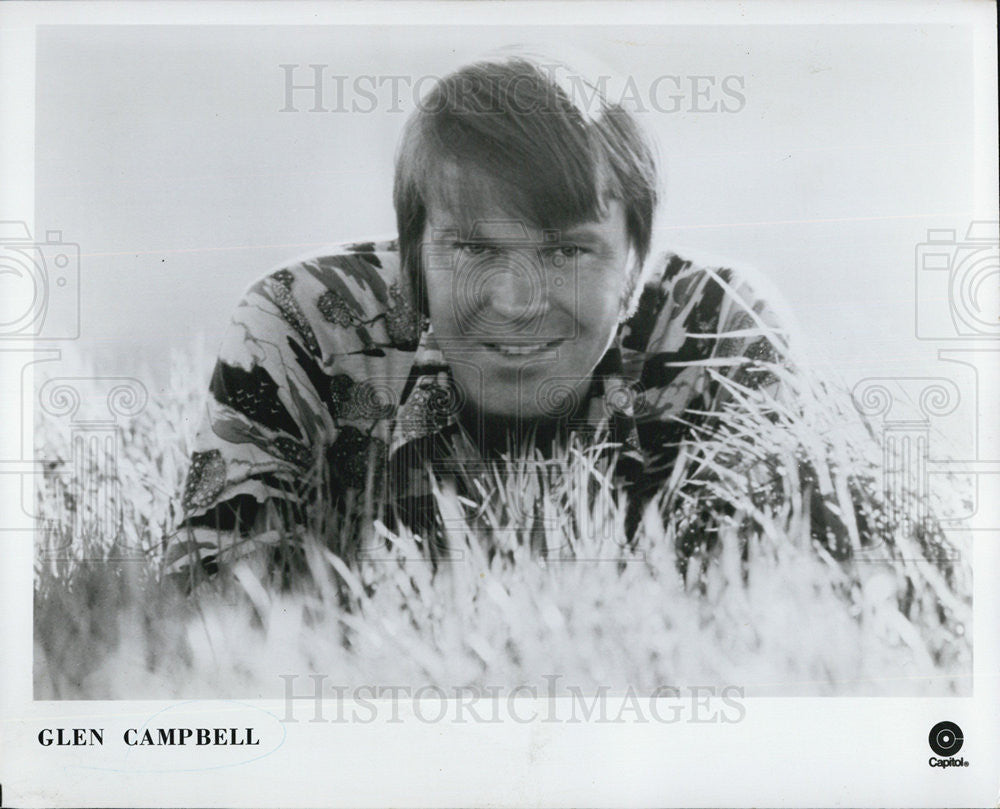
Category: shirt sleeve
[728,404]
[757,448]
[701,338]
[286,416]
[258,432]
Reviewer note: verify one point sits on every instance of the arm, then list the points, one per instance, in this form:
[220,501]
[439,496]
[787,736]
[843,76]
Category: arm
[756,444]
[281,437]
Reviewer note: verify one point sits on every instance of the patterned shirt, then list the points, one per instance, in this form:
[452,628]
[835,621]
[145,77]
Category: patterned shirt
[327,365]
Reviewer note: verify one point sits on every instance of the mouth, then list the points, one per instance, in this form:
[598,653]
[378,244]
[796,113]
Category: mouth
[522,349]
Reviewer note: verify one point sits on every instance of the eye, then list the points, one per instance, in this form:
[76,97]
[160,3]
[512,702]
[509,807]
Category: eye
[475,248]
[569,251]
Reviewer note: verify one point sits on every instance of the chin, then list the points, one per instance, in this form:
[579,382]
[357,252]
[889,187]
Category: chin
[500,410]
[508,411]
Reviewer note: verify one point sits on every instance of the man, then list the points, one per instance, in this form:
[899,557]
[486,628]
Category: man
[519,303]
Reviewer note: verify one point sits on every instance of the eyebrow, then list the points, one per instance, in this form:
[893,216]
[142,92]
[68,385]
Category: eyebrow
[580,235]
[585,232]
[453,230]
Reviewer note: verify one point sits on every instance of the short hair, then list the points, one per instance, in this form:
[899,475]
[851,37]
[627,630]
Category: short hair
[552,151]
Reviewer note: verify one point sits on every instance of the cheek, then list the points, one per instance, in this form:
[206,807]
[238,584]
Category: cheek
[601,292]
[441,310]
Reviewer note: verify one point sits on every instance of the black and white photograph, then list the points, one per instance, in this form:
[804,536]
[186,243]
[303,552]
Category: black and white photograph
[557,397]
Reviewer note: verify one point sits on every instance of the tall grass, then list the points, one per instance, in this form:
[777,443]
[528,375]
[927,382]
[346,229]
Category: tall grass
[532,574]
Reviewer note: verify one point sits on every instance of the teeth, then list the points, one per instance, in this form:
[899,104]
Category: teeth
[518,350]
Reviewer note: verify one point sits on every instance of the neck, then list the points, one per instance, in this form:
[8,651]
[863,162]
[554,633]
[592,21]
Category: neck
[495,435]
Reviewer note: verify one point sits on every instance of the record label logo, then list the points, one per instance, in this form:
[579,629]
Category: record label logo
[946,740]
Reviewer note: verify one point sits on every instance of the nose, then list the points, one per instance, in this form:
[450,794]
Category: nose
[512,289]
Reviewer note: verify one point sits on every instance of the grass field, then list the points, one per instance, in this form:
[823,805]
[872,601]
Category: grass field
[765,607]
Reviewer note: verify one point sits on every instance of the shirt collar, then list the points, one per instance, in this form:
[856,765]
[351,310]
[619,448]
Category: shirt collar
[426,409]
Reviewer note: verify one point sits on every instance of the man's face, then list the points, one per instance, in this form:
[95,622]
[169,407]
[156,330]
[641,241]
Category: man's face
[523,315]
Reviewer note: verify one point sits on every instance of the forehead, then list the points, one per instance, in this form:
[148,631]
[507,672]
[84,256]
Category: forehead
[472,205]
[608,231]
[471,194]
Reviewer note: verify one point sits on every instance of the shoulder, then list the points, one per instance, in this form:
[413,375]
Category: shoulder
[341,295]
[694,294]
[360,273]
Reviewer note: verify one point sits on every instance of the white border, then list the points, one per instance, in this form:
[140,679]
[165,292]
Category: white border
[786,752]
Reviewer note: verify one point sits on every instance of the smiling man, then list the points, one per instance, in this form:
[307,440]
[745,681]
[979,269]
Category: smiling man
[506,305]
[519,303]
